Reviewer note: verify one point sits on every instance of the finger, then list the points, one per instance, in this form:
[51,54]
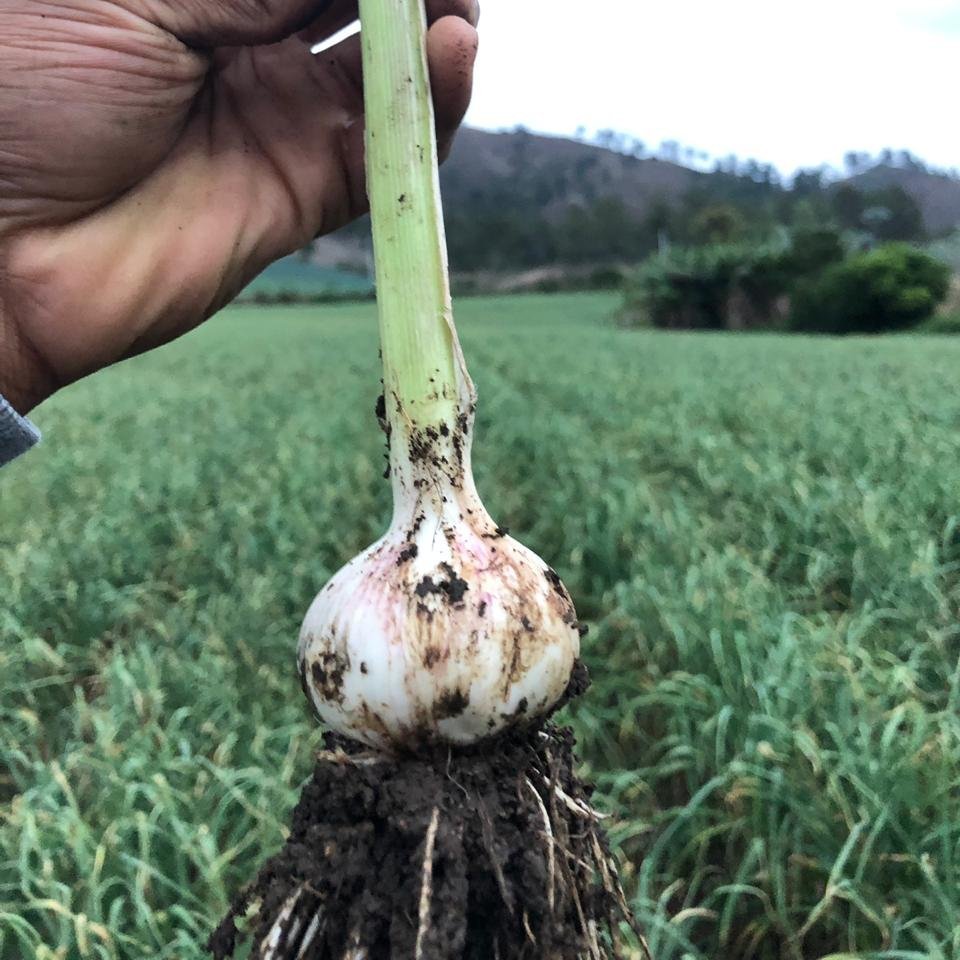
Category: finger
[226,23]
[468,10]
[452,52]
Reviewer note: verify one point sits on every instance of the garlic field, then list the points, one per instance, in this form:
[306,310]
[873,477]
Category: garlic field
[762,532]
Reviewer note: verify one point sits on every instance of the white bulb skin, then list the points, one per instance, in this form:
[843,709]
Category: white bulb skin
[444,632]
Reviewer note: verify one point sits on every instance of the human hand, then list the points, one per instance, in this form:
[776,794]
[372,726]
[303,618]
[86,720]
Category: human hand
[155,155]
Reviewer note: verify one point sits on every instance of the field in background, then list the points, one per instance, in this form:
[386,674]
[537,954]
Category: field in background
[298,279]
[763,533]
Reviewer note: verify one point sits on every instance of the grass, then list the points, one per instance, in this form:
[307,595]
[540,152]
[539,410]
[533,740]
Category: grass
[763,532]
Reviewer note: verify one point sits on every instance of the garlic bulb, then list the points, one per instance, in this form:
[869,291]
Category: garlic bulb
[446,630]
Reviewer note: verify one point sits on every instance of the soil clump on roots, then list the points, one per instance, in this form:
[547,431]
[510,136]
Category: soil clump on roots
[491,853]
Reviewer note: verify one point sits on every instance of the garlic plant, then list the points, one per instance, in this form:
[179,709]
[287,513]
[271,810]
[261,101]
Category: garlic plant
[446,630]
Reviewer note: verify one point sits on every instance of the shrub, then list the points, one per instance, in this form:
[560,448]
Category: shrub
[724,286]
[894,287]
[682,289]
[728,286]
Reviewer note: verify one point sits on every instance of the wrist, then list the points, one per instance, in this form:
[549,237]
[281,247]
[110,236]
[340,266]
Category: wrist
[26,380]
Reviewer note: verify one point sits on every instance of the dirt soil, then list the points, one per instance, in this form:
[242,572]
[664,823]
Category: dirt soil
[492,853]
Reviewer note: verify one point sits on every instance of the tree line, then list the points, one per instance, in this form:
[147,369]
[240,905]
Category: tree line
[508,226]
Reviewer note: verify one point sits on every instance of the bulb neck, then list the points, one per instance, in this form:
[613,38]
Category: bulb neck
[431,471]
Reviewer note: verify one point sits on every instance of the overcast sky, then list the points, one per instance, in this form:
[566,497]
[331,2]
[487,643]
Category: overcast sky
[793,84]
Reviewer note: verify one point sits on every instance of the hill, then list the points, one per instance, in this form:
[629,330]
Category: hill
[555,173]
[519,201]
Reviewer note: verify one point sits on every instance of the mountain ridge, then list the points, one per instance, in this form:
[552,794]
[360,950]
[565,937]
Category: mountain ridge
[523,177]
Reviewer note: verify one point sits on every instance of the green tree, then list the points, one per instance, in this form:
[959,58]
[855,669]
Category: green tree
[889,214]
[901,217]
[718,223]
[847,204]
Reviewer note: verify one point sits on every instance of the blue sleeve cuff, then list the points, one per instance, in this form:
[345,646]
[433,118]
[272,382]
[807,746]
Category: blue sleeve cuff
[17,434]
